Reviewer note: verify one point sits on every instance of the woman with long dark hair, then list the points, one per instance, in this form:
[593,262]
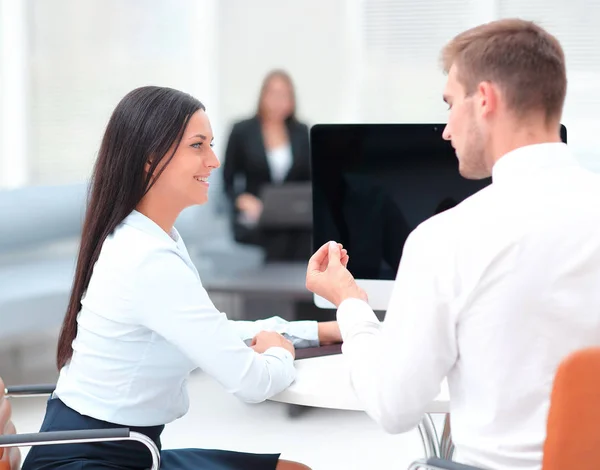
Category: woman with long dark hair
[139,320]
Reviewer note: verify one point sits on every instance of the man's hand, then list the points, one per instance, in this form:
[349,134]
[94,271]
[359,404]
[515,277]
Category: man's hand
[270,339]
[328,277]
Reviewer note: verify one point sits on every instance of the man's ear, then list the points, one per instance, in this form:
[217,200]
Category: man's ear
[488,98]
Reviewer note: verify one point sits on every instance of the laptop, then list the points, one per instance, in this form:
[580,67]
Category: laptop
[287,206]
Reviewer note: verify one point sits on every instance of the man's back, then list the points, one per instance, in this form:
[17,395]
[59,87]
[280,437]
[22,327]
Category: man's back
[495,292]
[526,275]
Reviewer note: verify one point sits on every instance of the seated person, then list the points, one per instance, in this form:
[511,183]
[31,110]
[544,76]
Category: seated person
[269,148]
[495,292]
[139,320]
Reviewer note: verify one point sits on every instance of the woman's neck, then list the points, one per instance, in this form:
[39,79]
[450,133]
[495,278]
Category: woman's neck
[272,123]
[162,216]
[274,133]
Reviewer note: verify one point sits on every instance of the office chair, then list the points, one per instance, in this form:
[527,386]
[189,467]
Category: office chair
[10,457]
[572,432]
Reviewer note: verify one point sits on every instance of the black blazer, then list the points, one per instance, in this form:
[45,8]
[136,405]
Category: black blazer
[246,170]
[246,158]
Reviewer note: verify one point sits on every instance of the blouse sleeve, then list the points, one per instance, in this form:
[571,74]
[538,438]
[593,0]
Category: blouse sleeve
[170,300]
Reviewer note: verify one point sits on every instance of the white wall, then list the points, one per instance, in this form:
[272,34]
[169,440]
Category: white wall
[309,39]
[351,60]
[402,40]
[86,55]
[14,81]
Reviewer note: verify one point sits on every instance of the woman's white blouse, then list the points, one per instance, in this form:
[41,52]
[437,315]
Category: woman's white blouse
[146,322]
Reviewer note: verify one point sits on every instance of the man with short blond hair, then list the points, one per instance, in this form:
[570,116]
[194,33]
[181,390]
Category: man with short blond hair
[521,57]
[495,292]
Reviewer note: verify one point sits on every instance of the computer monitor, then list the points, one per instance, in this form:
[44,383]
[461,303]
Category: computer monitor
[372,185]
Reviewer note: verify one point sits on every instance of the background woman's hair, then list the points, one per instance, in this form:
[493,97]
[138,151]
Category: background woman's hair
[277,73]
[145,128]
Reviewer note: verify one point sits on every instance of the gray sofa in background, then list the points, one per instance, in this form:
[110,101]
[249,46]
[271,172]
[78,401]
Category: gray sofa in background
[40,228]
[39,232]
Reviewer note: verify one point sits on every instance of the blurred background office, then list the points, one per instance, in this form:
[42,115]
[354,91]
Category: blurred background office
[64,64]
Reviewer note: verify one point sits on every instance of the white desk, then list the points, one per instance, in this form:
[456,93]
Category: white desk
[324,382]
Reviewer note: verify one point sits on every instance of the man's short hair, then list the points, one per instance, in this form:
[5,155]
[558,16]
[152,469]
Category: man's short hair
[525,61]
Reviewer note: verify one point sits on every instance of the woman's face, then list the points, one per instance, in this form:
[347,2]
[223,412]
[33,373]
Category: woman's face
[184,182]
[277,102]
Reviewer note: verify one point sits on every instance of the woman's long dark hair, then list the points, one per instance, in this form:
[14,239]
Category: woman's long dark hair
[144,126]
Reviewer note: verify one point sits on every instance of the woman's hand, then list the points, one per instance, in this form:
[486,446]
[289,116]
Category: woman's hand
[270,339]
[329,333]
[250,206]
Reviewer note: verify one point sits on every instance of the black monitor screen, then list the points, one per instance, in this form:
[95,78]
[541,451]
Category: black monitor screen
[374,183]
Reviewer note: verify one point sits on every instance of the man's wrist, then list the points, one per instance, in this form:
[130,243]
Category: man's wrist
[349,294]
[354,313]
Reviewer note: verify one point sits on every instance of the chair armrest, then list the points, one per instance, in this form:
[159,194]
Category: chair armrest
[434,463]
[29,390]
[81,436]
[58,437]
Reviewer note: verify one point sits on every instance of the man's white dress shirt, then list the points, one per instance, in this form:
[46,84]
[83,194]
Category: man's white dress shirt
[491,294]
[146,322]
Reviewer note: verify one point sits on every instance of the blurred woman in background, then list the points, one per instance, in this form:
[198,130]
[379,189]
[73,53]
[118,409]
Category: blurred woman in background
[269,148]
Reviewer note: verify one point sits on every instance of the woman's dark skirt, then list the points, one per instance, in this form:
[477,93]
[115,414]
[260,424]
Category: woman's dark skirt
[128,455]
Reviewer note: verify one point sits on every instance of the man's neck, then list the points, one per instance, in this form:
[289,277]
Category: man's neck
[521,136]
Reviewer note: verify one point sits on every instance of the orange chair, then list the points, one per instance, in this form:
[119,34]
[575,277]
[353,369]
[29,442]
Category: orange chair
[573,428]
[10,457]
[573,433]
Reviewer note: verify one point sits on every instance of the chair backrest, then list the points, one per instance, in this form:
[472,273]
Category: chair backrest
[10,459]
[573,430]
